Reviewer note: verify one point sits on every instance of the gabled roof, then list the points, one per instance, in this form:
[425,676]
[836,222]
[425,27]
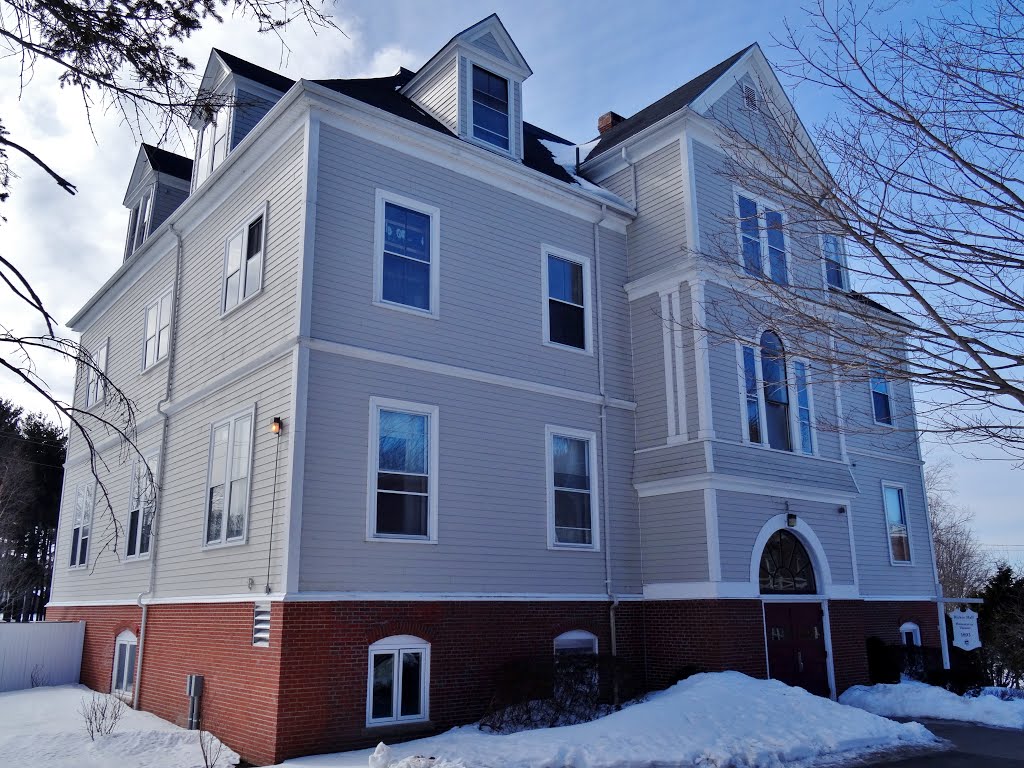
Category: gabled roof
[254,72]
[667,105]
[163,161]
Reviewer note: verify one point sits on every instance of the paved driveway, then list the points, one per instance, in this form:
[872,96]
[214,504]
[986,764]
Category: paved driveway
[974,746]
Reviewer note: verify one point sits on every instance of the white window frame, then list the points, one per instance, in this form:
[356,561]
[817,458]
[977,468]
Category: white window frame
[127,639]
[262,212]
[794,411]
[914,630]
[397,644]
[95,386]
[161,352]
[137,235]
[81,520]
[230,422]
[432,412]
[382,198]
[872,368]
[843,270]
[577,635]
[588,322]
[550,431]
[471,106]
[794,405]
[906,515]
[153,461]
[203,171]
[763,206]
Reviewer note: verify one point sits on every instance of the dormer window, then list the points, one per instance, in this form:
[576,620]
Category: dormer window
[212,146]
[490,108]
[138,224]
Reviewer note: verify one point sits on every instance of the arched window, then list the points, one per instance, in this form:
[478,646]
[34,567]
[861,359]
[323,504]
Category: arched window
[399,680]
[575,642]
[786,567]
[776,391]
[125,647]
[910,633]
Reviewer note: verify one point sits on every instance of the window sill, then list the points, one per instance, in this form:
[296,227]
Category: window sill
[400,540]
[136,558]
[800,454]
[240,304]
[574,548]
[506,153]
[901,563]
[215,545]
[407,309]
[555,345]
[383,730]
[152,366]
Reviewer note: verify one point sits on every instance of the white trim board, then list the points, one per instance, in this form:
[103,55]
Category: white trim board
[336,597]
[756,486]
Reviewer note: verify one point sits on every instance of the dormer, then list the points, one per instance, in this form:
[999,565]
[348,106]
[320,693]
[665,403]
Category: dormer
[237,96]
[474,87]
[159,184]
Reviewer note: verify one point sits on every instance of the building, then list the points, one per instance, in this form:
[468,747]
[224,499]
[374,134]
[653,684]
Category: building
[421,395]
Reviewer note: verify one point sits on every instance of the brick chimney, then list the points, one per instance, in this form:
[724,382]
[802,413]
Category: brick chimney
[608,120]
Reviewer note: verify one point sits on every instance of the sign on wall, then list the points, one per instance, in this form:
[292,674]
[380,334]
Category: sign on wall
[965,629]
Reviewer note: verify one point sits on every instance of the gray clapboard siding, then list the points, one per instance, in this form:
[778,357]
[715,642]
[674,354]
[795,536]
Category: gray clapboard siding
[209,344]
[439,95]
[675,537]
[649,371]
[877,575]
[165,201]
[621,184]
[489,44]
[669,461]
[491,303]
[862,434]
[756,126]
[657,237]
[249,109]
[742,515]
[756,462]
[492,519]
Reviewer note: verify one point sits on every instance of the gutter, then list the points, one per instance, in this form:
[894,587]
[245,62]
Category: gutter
[161,469]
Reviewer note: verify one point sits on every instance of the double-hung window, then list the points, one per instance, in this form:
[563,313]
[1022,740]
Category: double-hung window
[398,683]
[490,108]
[762,231]
[403,470]
[803,406]
[896,520]
[227,486]
[243,262]
[96,385]
[572,496]
[125,653]
[767,392]
[138,224]
[406,255]
[835,262]
[141,507]
[81,524]
[212,144]
[158,331]
[881,397]
[566,280]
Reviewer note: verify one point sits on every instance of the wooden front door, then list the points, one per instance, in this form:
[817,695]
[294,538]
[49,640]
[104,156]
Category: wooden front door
[796,645]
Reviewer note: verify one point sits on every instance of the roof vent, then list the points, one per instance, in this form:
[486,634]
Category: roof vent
[608,120]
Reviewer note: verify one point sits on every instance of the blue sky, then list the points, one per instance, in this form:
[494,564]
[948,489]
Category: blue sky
[588,58]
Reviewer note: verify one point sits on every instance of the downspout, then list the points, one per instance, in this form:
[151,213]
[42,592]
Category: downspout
[632,170]
[154,537]
[613,600]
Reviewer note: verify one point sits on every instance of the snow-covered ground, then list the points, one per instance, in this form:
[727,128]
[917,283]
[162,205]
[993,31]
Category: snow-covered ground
[723,719]
[43,727]
[913,699]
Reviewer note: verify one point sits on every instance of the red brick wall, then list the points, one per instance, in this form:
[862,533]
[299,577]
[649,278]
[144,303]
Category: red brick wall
[712,635]
[854,621]
[102,626]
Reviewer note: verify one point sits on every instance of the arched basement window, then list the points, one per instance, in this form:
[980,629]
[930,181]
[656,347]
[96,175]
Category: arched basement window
[125,647]
[776,392]
[786,567]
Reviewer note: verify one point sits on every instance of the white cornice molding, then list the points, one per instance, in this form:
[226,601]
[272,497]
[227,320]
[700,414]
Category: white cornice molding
[756,486]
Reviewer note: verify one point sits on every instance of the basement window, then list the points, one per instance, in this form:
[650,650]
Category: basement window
[399,680]
[261,624]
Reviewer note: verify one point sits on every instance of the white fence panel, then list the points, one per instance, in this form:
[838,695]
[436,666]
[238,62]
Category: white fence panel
[51,651]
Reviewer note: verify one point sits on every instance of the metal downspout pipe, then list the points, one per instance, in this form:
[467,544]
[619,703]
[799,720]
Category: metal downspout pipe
[162,464]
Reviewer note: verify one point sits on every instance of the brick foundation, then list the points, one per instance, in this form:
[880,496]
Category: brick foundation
[306,692]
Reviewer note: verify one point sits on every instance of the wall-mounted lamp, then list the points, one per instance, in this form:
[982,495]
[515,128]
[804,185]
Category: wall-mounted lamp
[791,520]
[276,425]
[842,510]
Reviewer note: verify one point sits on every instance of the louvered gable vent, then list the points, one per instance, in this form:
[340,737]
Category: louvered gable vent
[261,624]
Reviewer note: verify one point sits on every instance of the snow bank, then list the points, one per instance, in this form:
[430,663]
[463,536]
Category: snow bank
[723,719]
[42,727]
[914,699]
[565,156]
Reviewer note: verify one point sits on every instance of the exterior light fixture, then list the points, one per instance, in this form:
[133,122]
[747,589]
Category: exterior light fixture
[791,520]
[842,510]
[276,425]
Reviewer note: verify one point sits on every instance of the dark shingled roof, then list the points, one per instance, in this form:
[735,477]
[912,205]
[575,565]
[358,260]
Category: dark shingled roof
[254,72]
[163,161]
[665,106]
